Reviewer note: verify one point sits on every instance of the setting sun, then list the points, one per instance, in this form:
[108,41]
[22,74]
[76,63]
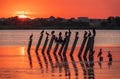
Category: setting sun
[22,16]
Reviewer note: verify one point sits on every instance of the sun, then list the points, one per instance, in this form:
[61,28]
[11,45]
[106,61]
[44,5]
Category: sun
[22,16]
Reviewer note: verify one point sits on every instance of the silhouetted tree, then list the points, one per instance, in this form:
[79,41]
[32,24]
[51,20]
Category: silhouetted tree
[117,20]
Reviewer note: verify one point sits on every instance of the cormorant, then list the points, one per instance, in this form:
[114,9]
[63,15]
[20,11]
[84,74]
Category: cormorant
[42,32]
[109,54]
[47,34]
[85,34]
[89,34]
[31,36]
[100,53]
[77,33]
[52,32]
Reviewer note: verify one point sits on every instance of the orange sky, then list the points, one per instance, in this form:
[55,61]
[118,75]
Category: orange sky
[62,8]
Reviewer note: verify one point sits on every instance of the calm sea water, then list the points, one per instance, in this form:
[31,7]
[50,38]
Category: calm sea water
[14,62]
[21,37]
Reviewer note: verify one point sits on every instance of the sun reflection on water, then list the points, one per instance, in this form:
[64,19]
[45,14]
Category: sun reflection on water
[22,50]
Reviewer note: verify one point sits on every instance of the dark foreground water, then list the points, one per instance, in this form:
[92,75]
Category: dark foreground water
[15,64]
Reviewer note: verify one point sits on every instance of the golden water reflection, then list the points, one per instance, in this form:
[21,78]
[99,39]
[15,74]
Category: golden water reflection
[15,64]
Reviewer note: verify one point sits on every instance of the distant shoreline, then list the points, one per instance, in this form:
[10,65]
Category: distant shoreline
[80,23]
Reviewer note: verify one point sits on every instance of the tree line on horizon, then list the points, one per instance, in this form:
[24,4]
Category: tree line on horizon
[59,23]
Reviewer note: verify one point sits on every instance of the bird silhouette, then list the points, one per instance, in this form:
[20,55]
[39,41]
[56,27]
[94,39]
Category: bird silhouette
[60,33]
[52,32]
[47,34]
[60,37]
[31,36]
[66,33]
[89,34]
[109,54]
[85,34]
[77,33]
[69,32]
[100,53]
[42,32]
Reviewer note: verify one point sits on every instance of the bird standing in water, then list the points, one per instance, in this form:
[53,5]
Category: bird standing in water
[100,53]
[110,56]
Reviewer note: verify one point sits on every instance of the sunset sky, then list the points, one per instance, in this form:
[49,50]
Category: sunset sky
[61,8]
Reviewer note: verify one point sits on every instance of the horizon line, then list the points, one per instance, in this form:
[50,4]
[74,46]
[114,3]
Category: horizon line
[63,17]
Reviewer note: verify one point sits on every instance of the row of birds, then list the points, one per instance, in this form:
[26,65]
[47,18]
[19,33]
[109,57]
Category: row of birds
[101,58]
[86,34]
[89,34]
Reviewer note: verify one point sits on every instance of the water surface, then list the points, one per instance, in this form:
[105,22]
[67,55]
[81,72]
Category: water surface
[15,63]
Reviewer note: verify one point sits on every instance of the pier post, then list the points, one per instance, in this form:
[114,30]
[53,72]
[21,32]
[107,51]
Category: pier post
[66,43]
[66,66]
[74,44]
[43,49]
[39,61]
[56,46]
[74,66]
[62,47]
[37,48]
[83,67]
[28,50]
[88,45]
[92,42]
[49,48]
[83,44]
[51,41]
[39,42]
